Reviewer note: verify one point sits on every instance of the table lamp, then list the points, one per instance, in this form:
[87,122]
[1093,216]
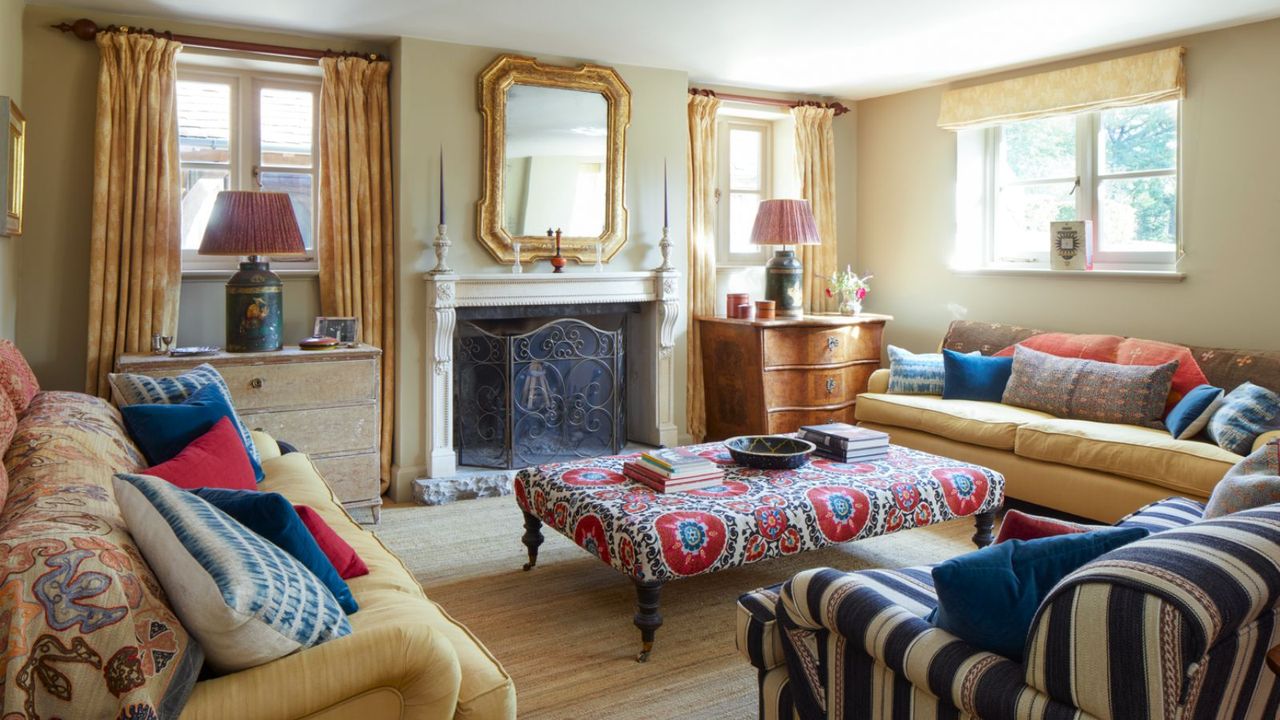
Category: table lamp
[256,224]
[785,222]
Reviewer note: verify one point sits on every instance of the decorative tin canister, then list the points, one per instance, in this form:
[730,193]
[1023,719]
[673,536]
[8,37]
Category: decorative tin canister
[255,309]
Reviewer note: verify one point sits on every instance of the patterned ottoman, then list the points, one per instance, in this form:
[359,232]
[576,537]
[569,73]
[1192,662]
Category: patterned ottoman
[756,514]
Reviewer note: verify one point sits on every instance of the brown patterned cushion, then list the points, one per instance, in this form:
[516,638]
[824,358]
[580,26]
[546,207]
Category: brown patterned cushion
[1089,390]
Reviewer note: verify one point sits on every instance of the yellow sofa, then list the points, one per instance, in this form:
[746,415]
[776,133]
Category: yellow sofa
[1096,470]
[406,657]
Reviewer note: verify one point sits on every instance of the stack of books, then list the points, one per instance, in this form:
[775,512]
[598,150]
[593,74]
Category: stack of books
[674,470]
[845,443]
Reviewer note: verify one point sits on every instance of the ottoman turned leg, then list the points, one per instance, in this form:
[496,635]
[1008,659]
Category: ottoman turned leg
[532,538]
[647,617]
[983,522]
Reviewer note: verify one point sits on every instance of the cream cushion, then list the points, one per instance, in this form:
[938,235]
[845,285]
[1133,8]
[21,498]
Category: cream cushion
[980,423]
[1147,454]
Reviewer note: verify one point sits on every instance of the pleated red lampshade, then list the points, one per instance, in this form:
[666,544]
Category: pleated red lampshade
[785,222]
[252,223]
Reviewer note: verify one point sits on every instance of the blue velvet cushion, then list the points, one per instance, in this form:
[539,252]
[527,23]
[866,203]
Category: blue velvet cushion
[162,431]
[1193,411]
[1246,412]
[989,598]
[273,517]
[974,377]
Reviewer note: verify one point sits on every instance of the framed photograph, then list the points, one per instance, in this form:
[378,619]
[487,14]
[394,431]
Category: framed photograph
[343,329]
[13,155]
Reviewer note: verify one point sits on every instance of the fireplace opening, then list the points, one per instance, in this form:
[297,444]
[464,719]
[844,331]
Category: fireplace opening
[533,390]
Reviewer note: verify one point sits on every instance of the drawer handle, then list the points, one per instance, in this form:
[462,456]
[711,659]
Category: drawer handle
[832,343]
[831,385]
[257,383]
[830,420]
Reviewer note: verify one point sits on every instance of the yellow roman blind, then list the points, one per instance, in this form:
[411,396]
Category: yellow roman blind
[1134,80]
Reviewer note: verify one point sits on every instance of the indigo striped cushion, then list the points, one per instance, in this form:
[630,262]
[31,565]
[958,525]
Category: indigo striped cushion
[912,374]
[1245,413]
[133,389]
[247,601]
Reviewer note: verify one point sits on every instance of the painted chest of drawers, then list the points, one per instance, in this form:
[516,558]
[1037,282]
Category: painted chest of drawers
[772,376]
[325,403]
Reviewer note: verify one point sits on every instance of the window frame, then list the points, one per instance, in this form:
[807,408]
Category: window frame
[724,256]
[1088,180]
[244,166]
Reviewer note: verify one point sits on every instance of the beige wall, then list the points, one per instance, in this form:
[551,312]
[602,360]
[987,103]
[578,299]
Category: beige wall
[1230,200]
[10,86]
[434,101]
[61,75]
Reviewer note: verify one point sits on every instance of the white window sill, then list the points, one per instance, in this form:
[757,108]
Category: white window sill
[224,274]
[1171,276]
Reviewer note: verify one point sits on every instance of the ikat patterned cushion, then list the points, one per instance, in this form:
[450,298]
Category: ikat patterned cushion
[1088,389]
[130,389]
[912,374]
[1252,482]
[1246,412]
[247,601]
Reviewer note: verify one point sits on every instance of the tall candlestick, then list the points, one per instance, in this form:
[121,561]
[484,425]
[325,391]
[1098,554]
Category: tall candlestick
[442,185]
[664,194]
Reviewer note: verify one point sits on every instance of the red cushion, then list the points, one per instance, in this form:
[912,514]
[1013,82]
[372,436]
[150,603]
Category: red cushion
[1189,376]
[342,555]
[1021,526]
[216,459]
[16,379]
[1102,348]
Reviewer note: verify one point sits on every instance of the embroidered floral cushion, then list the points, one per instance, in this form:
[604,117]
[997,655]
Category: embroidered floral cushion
[85,629]
[17,381]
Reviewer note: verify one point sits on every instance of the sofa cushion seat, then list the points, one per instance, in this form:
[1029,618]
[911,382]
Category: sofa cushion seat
[989,424]
[1189,467]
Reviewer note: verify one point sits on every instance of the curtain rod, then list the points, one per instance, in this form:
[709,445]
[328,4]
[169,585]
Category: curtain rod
[86,29]
[840,109]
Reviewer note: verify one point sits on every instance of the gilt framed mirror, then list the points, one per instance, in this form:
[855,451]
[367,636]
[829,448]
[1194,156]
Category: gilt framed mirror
[554,157]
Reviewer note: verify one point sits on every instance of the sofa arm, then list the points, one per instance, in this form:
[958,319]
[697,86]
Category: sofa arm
[1265,438]
[757,635]
[879,381]
[265,444]
[409,662]
[852,606]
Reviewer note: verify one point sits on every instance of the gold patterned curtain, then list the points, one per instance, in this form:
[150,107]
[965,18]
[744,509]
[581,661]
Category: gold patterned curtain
[816,164]
[356,239]
[1133,80]
[135,254]
[702,247]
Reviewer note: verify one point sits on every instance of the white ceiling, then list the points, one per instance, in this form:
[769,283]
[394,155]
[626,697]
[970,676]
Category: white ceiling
[845,48]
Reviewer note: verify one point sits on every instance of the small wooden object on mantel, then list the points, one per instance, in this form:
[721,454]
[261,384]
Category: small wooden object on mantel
[558,261]
[766,377]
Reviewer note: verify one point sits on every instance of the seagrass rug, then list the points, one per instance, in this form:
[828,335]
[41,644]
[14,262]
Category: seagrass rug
[563,630]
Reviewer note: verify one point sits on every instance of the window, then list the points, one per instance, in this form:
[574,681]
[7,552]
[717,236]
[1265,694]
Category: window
[745,178]
[1117,168]
[240,130]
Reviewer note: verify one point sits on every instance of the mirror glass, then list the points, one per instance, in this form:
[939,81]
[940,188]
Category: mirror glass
[555,163]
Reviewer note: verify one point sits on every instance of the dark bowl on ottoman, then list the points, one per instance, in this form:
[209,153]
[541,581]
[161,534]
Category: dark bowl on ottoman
[769,452]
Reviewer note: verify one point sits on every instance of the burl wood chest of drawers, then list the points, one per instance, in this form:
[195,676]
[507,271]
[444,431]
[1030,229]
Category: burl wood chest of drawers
[325,403]
[772,376]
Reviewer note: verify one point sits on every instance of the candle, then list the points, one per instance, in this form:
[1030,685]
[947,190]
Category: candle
[664,194]
[442,185]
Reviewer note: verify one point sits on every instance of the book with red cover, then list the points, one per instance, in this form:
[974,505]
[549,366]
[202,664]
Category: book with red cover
[645,476]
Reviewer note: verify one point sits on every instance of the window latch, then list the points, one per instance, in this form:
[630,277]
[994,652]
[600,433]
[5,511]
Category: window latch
[1075,187]
[257,176]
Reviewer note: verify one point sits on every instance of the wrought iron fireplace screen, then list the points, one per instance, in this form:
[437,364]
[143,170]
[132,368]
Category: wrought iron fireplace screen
[551,394]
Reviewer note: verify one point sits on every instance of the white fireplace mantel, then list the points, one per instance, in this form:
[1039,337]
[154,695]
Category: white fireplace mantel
[650,341]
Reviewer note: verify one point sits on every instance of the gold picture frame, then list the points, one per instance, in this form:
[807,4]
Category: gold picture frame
[494,82]
[13,156]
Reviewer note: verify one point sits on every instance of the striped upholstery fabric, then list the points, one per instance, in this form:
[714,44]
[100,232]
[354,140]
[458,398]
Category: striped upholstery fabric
[130,389]
[1175,626]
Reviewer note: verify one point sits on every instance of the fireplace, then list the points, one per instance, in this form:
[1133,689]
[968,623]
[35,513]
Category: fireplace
[530,391]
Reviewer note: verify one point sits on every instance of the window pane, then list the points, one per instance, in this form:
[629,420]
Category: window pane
[1139,138]
[1138,214]
[1023,214]
[1038,149]
[204,121]
[745,161]
[742,217]
[298,185]
[199,188]
[286,127]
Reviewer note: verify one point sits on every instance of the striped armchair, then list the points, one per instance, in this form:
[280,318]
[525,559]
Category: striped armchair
[1175,626]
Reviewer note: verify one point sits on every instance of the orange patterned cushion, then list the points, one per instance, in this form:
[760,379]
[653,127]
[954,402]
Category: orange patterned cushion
[1069,345]
[17,382]
[1134,351]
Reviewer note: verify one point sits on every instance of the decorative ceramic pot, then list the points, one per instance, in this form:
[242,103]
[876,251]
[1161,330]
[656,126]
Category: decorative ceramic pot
[769,452]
